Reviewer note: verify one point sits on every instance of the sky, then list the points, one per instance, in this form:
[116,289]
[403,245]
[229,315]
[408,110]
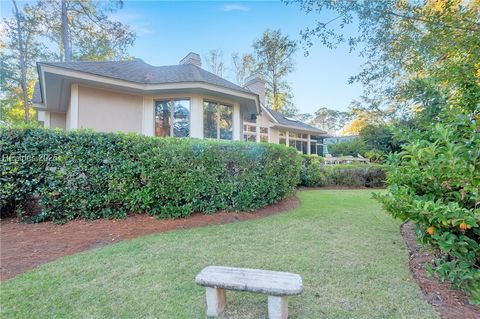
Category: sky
[168,30]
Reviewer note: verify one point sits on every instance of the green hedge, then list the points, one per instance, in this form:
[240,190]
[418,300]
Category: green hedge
[57,175]
[315,173]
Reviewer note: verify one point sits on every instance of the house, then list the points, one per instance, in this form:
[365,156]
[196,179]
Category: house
[181,100]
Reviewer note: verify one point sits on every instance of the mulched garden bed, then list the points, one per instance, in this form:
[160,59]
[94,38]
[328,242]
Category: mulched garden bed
[451,304]
[26,246]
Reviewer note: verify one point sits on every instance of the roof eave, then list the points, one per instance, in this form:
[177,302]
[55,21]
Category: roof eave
[301,129]
[68,72]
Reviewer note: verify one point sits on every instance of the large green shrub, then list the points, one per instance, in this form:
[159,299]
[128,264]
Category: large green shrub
[95,175]
[315,173]
[348,148]
[435,182]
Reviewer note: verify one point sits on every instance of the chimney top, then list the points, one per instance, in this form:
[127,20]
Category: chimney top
[192,58]
[256,84]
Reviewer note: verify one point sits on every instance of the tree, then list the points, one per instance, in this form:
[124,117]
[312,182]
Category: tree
[82,30]
[380,138]
[274,60]
[20,50]
[22,59]
[331,121]
[215,63]
[12,110]
[243,67]
[402,41]
[365,112]
[424,57]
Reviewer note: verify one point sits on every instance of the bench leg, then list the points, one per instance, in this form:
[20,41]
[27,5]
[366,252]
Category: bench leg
[216,300]
[277,307]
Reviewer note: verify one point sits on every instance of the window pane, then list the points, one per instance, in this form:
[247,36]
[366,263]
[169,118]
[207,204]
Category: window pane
[304,147]
[226,116]
[313,148]
[298,145]
[264,130]
[181,118]
[291,143]
[209,120]
[249,138]
[283,141]
[263,138]
[162,118]
[252,118]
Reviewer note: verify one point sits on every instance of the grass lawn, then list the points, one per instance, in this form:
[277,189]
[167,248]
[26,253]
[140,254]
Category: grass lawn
[350,254]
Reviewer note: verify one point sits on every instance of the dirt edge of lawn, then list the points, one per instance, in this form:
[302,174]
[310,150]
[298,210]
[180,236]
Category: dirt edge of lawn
[451,304]
[24,247]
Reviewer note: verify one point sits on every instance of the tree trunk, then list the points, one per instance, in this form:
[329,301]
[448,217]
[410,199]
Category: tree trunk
[22,62]
[67,48]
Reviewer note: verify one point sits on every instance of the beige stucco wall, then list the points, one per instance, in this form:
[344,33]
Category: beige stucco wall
[108,111]
[58,120]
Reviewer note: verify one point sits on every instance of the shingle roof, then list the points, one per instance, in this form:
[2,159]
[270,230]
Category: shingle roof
[138,71]
[283,120]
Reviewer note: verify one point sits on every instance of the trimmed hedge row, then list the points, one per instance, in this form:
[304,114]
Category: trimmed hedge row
[315,173]
[100,175]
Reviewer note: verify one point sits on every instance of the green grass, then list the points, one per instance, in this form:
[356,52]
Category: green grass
[350,254]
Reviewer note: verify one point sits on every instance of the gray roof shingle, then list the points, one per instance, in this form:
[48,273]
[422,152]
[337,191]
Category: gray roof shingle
[283,120]
[138,71]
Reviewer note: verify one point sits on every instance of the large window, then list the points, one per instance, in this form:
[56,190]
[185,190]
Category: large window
[296,140]
[316,145]
[217,121]
[172,118]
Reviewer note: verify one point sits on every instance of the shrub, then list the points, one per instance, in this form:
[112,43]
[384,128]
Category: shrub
[348,148]
[97,175]
[435,182]
[315,173]
[312,173]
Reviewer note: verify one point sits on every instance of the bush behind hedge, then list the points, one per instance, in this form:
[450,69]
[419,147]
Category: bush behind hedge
[95,175]
[315,173]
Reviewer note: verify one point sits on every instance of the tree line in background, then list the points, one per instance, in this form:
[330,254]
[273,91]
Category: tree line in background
[52,30]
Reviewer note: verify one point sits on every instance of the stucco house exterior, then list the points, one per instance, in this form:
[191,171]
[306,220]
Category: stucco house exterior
[181,100]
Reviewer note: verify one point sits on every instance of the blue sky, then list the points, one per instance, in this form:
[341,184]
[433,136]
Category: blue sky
[167,31]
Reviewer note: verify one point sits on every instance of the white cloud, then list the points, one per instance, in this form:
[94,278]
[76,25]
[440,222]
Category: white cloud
[136,22]
[234,7]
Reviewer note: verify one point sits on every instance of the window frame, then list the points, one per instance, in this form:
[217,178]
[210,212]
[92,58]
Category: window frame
[217,118]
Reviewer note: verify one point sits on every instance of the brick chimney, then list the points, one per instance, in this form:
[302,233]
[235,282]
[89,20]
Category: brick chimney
[192,58]
[256,84]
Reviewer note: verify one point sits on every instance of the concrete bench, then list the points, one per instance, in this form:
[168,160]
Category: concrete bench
[277,285]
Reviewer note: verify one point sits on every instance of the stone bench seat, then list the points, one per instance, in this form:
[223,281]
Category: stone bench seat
[277,285]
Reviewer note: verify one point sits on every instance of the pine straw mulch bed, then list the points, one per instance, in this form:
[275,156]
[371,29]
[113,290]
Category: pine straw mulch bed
[26,246]
[451,304]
